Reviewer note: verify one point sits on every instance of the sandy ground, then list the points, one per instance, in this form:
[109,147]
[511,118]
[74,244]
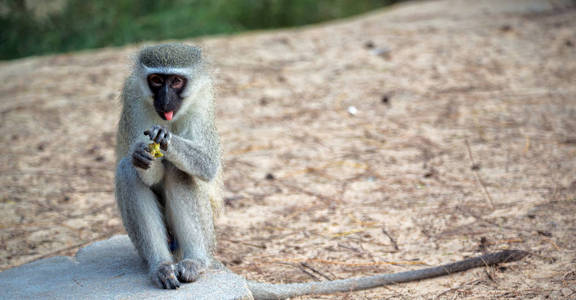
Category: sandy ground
[463,141]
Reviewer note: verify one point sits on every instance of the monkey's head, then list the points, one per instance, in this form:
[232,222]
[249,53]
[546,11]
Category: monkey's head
[168,75]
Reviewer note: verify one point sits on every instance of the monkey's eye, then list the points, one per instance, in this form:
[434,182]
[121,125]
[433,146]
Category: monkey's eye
[155,80]
[177,82]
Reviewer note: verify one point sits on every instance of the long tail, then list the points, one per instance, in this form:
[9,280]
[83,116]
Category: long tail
[282,291]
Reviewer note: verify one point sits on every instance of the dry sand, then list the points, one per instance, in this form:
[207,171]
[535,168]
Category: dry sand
[314,192]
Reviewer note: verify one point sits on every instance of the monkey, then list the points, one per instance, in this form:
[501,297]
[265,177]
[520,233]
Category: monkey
[168,204]
[171,200]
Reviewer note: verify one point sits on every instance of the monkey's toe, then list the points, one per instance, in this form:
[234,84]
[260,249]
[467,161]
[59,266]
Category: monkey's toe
[190,269]
[171,284]
[166,276]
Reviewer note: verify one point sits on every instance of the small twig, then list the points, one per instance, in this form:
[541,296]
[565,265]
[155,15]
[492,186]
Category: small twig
[346,233]
[553,244]
[455,295]
[482,219]
[305,265]
[506,241]
[49,254]
[477,176]
[456,288]
[92,191]
[300,209]
[244,243]
[353,238]
[341,263]
[348,247]
[301,268]
[392,240]
[323,198]
[308,273]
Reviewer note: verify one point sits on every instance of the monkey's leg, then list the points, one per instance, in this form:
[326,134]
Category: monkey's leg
[186,207]
[143,220]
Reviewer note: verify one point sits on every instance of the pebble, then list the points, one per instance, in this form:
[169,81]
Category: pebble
[352,110]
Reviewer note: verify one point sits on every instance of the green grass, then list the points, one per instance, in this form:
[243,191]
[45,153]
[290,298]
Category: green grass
[84,24]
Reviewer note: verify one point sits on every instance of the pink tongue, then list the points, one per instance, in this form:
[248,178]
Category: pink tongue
[168,115]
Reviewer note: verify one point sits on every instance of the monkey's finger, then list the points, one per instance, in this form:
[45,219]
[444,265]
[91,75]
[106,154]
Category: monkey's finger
[164,143]
[139,164]
[139,155]
[173,283]
[145,152]
[156,130]
[145,148]
[160,136]
[151,133]
[141,161]
[163,137]
[165,140]
[143,158]
[169,281]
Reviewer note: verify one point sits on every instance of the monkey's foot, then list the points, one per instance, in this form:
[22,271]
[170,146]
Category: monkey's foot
[165,276]
[190,269]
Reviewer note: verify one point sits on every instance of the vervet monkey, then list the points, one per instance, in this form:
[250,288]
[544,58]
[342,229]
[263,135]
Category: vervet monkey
[168,100]
[172,200]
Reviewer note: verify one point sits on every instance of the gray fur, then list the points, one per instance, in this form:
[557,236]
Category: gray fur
[172,55]
[179,191]
[283,291]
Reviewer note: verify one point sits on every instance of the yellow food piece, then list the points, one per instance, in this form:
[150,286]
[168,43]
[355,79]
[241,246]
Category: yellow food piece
[155,150]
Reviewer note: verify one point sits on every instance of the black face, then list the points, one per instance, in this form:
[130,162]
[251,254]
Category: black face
[167,90]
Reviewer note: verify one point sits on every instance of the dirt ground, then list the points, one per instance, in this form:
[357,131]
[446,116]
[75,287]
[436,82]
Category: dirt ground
[416,135]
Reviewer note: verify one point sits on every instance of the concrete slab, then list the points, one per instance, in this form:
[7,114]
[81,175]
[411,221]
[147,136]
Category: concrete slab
[109,269]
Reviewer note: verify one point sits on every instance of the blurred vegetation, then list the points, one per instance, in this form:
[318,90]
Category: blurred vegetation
[50,26]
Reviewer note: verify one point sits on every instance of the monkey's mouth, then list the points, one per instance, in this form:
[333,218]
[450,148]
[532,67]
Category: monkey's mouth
[165,114]
[167,108]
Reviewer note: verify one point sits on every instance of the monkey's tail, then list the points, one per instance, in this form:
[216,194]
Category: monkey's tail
[282,291]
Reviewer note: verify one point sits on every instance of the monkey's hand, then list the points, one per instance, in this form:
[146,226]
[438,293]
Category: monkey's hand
[191,154]
[159,135]
[141,157]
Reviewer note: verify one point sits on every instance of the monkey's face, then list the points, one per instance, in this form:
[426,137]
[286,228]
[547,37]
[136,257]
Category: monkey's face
[167,93]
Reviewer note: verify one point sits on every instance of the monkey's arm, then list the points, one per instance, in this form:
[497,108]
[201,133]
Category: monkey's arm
[192,158]
[282,291]
[195,152]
